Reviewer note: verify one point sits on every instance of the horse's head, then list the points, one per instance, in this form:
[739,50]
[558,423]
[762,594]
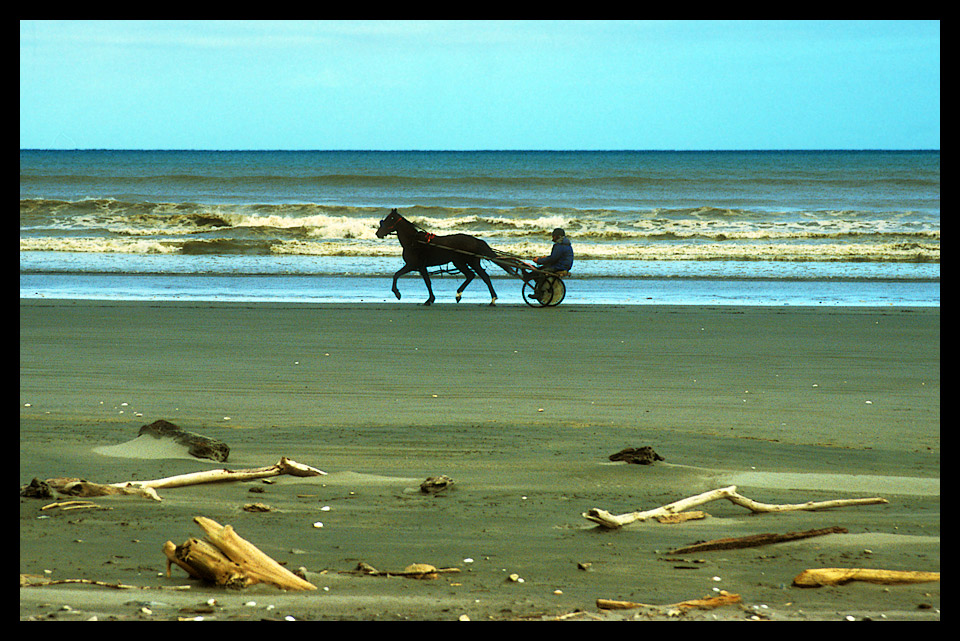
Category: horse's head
[389,224]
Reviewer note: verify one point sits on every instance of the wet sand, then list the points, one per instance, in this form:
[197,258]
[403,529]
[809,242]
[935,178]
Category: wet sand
[522,408]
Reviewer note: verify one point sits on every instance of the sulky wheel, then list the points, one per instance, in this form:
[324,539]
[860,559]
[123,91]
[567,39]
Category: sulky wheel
[547,291]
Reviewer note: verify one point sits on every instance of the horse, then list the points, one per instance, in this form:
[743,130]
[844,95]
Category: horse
[422,250]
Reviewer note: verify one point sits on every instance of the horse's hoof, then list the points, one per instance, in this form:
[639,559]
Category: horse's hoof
[493,302]
[458,297]
[397,294]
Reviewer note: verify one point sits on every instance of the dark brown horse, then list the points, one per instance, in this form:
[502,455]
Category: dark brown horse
[422,250]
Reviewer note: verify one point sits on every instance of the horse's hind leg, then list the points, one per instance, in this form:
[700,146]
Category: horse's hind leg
[467,272]
[486,278]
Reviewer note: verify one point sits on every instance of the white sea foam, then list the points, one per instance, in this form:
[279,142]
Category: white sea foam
[99,245]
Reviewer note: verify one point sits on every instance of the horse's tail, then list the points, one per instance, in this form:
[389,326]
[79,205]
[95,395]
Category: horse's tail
[509,264]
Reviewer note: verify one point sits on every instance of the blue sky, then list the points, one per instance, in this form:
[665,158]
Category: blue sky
[480,84]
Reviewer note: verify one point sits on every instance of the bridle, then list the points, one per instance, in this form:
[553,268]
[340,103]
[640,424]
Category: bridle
[428,237]
[393,227]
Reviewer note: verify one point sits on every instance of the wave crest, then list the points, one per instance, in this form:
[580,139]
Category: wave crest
[699,233]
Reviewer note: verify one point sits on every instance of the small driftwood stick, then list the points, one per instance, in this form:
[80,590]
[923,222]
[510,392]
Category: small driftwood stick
[27,581]
[610,520]
[706,603]
[33,581]
[73,505]
[414,570]
[839,576]
[756,540]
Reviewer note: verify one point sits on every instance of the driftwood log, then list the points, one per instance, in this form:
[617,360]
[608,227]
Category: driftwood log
[839,576]
[756,540]
[436,484]
[637,455]
[80,487]
[197,445]
[672,519]
[148,489]
[37,489]
[226,559]
[609,520]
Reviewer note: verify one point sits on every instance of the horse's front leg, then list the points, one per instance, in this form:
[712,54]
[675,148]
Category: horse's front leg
[400,272]
[426,281]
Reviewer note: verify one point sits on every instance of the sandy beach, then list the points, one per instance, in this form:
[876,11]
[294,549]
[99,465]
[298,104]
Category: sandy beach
[521,408]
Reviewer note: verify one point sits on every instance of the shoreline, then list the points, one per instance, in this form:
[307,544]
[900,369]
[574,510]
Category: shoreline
[706,290]
[522,407]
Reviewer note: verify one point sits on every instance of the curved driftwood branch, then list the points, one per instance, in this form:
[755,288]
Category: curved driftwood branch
[148,489]
[283,466]
[756,506]
[609,520]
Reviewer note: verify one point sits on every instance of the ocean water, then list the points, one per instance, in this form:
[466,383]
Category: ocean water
[846,228]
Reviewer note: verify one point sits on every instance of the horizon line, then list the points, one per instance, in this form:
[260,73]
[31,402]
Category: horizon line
[480,150]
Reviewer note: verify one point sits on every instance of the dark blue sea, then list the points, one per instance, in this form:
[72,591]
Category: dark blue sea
[821,228]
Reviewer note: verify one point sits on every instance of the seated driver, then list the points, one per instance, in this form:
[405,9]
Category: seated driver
[561,257]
